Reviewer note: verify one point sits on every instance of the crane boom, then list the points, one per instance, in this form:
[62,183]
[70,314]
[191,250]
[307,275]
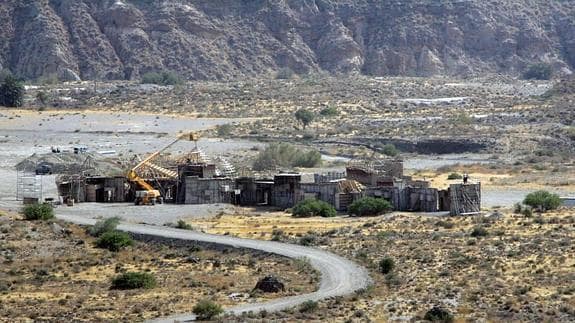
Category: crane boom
[149,194]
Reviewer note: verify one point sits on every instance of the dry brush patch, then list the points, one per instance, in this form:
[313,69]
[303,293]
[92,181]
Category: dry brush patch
[54,272]
[516,268]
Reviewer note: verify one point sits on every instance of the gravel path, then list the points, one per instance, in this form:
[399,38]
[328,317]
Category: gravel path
[338,276]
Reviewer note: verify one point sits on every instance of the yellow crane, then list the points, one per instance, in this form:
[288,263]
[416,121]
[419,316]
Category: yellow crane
[148,195]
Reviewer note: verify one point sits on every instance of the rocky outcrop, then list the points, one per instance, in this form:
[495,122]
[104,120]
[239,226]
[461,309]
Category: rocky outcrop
[270,284]
[226,39]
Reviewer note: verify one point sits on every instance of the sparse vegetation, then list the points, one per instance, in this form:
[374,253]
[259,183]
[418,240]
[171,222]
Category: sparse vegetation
[479,231]
[539,71]
[162,78]
[285,73]
[304,116]
[285,155]
[114,241]
[103,226]
[313,207]
[224,130]
[38,212]
[308,306]
[207,310]
[134,280]
[329,112]
[390,150]
[453,176]
[386,265]
[370,206]
[438,314]
[183,225]
[542,200]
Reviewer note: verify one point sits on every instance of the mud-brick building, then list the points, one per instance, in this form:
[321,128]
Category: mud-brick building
[196,190]
[286,191]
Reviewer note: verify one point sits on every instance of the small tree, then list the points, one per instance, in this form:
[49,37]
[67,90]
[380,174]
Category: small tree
[38,212]
[11,92]
[114,241]
[313,207]
[207,310]
[370,206]
[42,97]
[304,116]
[543,200]
[134,280]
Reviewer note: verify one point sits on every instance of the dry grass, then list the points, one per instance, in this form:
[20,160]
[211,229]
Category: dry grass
[62,277]
[521,271]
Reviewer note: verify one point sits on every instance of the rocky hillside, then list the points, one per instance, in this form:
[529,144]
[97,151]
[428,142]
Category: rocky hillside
[225,39]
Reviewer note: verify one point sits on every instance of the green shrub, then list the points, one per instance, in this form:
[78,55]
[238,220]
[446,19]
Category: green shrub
[570,131]
[307,159]
[527,212]
[114,241]
[207,310]
[329,112]
[304,116]
[539,71]
[462,119]
[370,206]
[479,232]
[134,280]
[390,150]
[224,130]
[517,208]
[162,78]
[38,212]
[438,314]
[542,200]
[183,225]
[11,92]
[386,265]
[285,155]
[308,306]
[454,176]
[313,207]
[104,226]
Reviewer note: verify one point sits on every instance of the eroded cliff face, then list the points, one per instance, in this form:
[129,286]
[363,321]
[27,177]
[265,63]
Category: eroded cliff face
[226,39]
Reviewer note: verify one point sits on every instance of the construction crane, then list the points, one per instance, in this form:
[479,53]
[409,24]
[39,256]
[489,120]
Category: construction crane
[148,195]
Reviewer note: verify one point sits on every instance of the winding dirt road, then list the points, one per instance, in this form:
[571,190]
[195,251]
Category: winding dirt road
[339,276]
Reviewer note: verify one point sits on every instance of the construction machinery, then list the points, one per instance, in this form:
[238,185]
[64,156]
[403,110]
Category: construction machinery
[148,195]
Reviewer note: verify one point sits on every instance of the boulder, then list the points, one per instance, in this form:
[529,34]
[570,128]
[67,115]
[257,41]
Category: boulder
[270,284]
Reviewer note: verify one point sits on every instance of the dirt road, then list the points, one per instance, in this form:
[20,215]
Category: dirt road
[338,275]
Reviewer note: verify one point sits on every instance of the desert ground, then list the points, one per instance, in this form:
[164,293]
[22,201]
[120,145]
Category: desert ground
[513,136]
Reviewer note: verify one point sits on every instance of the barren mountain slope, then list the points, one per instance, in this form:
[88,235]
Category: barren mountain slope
[224,39]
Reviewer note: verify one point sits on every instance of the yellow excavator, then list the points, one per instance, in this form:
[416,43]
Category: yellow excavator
[148,195]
